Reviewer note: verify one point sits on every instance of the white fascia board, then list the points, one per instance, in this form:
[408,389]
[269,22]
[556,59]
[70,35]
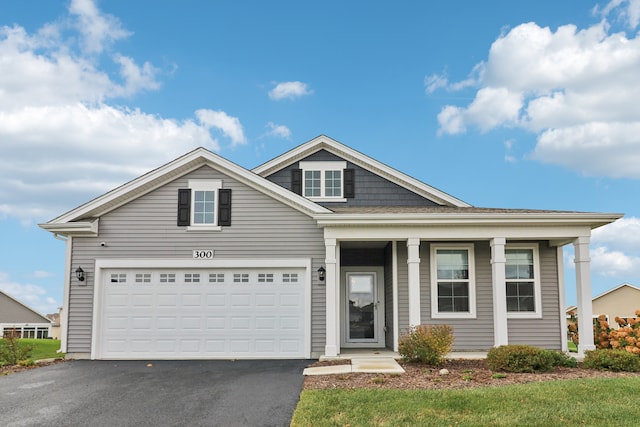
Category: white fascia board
[362,160]
[136,187]
[511,219]
[455,232]
[84,228]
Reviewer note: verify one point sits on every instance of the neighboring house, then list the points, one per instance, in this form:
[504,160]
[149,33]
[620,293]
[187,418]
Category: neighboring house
[17,318]
[55,324]
[317,251]
[621,301]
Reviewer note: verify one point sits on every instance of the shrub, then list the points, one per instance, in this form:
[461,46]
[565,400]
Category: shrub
[13,351]
[526,358]
[427,344]
[564,360]
[626,337]
[611,359]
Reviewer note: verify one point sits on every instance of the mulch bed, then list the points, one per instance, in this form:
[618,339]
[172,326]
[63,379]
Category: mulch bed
[463,374]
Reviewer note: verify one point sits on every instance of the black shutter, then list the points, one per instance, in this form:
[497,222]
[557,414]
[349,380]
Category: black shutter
[224,207]
[184,207]
[349,183]
[296,181]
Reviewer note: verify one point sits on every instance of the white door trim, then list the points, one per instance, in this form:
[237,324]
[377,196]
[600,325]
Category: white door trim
[380,311]
[102,264]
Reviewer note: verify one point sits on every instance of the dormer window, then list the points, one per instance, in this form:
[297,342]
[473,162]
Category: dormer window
[324,181]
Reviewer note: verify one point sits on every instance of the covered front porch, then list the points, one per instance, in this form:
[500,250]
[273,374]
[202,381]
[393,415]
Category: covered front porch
[398,255]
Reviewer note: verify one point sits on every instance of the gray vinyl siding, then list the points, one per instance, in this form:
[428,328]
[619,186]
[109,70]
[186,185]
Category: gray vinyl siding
[545,332]
[470,334]
[478,334]
[370,189]
[146,228]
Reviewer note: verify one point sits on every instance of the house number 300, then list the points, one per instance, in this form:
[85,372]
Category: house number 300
[202,254]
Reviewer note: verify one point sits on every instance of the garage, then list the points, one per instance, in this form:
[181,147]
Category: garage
[201,313]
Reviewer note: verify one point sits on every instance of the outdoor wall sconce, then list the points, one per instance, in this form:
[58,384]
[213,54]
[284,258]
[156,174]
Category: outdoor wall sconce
[321,272]
[80,274]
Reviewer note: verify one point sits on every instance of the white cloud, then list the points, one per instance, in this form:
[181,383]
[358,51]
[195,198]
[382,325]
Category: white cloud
[290,90]
[230,126]
[32,296]
[623,234]
[57,111]
[612,263]
[99,29]
[278,130]
[575,88]
[615,252]
[39,274]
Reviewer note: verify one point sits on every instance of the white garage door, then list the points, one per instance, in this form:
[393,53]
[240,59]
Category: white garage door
[202,313]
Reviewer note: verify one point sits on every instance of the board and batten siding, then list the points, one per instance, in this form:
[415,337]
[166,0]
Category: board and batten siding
[261,227]
[370,189]
[546,331]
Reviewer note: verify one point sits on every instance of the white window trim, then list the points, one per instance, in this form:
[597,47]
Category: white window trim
[204,185]
[537,291]
[324,166]
[435,314]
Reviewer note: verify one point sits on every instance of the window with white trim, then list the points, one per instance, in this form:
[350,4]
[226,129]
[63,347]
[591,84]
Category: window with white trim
[323,180]
[453,282]
[522,274]
[204,203]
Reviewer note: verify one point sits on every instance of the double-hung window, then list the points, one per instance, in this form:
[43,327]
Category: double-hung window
[323,180]
[205,205]
[522,273]
[452,282]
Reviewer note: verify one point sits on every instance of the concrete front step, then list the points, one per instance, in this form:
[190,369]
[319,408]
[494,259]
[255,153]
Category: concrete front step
[376,365]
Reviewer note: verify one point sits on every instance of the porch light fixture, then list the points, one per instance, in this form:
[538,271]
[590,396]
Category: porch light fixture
[321,272]
[80,274]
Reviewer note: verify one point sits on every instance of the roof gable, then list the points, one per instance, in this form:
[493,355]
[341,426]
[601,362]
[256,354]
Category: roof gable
[13,311]
[88,212]
[323,142]
[616,289]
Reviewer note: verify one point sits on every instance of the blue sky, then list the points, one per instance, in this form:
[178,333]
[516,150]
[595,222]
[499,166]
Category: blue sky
[530,104]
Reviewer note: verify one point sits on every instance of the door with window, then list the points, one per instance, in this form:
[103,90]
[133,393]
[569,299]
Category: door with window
[363,307]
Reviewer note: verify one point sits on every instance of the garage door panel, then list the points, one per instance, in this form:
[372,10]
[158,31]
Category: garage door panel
[240,300]
[266,300]
[203,313]
[216,300]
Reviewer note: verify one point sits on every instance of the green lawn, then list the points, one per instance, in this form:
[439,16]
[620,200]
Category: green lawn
[572,347]
[43,349]
[592,402]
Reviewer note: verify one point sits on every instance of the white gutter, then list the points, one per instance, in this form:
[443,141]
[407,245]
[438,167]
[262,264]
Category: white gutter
[440,219]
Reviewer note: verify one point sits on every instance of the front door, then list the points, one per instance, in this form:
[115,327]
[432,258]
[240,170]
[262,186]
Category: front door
[363,317]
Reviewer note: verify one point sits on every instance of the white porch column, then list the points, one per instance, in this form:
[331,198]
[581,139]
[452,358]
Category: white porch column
[583,293]
[413,260]
[332,282]
[394,275]
[498,262]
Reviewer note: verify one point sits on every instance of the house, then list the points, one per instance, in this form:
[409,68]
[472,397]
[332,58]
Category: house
[17,318]
[315,252]
[621,301]
[55,324]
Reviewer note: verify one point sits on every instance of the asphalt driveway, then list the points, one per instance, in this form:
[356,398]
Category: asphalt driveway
[167,393]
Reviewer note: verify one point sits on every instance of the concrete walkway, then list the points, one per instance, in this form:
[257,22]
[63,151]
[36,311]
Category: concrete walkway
[375,365]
